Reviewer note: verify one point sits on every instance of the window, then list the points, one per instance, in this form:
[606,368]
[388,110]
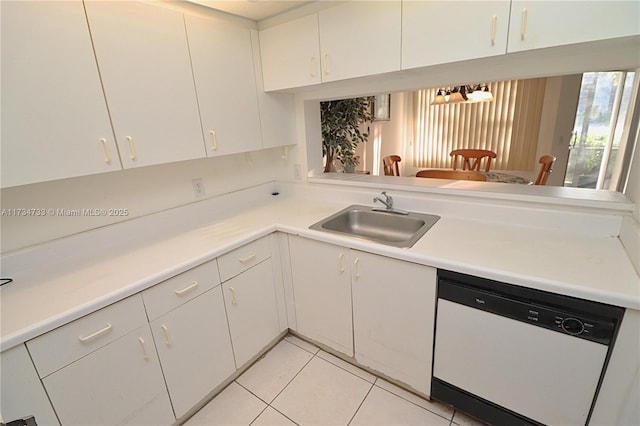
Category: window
[599,137]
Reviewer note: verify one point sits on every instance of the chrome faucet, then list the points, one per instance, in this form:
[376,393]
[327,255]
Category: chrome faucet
[388,201]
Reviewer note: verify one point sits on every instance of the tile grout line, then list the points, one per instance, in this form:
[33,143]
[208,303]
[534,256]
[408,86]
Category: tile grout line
[417,405]
[362,402]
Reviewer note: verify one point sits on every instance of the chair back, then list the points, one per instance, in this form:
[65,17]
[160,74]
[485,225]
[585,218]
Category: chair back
[471,158]
[452,174]
[390,163]
[546,164]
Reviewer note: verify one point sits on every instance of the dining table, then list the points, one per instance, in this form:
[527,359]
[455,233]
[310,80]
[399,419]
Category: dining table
[506,178]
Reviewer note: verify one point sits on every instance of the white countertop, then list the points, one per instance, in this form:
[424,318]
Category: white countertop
[60,281]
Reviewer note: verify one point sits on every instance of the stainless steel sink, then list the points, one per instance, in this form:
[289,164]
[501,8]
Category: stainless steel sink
[381,226]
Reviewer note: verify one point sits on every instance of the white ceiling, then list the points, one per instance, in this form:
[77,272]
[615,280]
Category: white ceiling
[252,9]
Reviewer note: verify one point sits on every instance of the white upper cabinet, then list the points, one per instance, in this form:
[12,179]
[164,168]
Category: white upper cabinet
[437,32]
[143,58]
[360,38]
[290,54]
[538,24]
[222,59]
[354,39]
[54,119]
[277,110]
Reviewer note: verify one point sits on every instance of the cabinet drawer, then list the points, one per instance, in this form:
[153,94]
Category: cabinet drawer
[178,290]
[243,258]
[72,341]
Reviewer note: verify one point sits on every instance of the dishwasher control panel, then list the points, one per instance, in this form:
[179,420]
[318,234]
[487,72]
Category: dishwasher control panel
[541,313]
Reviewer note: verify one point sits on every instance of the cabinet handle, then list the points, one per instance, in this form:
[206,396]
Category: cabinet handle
[247,259]
[494,21]
[325,63]
[523,24]
[234,301]
[341,262]
[96,334]
[165,331]
[356,263]
[214,140]
[145,354]
[312,67]
[186,289]
[132,148]
[107,154]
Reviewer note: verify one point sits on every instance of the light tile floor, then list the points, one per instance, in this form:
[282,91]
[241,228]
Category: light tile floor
[296,383]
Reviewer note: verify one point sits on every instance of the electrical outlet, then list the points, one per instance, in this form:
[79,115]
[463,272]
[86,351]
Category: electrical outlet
[198,187]
[297,171]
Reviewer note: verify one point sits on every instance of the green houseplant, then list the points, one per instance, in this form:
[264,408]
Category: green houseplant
[341,132]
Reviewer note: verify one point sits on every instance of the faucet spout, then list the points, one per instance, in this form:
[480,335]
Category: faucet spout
[388,201]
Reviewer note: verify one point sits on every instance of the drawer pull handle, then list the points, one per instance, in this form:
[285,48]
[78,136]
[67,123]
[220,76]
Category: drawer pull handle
[187,289]
[96,334]
[494,21]
[132,148]
[145,354]
[234,300]
[165,331]
[214,140]
[325,63]
[340,262]
[312,67]
[523,24]
[356,263]
[107,154]
[248,259]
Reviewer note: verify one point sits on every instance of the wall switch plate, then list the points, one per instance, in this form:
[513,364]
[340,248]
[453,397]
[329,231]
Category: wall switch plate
[198,187]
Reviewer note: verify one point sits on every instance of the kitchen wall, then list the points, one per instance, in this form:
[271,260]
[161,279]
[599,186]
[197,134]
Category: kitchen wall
[140,191]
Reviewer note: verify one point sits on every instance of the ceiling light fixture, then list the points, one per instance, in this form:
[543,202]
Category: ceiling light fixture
[463,94]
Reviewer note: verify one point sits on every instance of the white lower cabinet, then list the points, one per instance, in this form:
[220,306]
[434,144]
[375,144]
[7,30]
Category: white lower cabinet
[322,292]
[194,348]
[393,317]
[386,306]
[22,392]
[252,311]
[120,383]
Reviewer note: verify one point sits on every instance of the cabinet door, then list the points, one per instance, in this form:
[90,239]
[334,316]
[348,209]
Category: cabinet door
[277,110]
[290,54]
[322,292]
[54,119]
[144,62]
[250,300]
[22,392]
[393,317]
[120,383]
[194,348]
[538,24]
[360,38]
[222,59]
[438,32]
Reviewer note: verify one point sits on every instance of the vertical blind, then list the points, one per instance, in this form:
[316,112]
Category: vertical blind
[508,126]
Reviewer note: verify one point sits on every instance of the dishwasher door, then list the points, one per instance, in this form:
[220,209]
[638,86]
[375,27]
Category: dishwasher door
[541,374]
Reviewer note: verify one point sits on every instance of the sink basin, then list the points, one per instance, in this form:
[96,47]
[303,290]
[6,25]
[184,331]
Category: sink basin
[398,230]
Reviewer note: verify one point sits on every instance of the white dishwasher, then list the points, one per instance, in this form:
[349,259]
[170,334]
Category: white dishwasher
[509,355]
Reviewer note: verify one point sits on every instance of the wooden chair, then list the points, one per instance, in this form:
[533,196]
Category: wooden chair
[471,158]
[452,174]
[391,165]
[546,163]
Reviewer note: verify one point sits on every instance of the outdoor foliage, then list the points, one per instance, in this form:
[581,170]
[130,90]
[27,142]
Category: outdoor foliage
[341,131]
